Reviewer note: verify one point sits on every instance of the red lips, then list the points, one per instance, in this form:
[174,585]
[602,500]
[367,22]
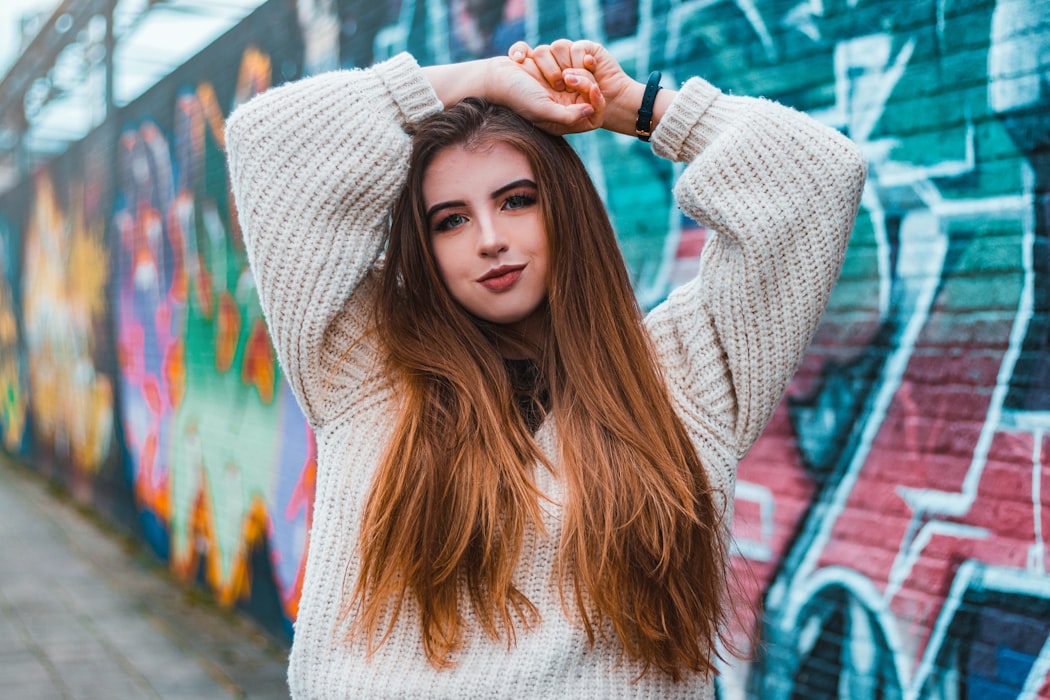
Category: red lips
[500,278]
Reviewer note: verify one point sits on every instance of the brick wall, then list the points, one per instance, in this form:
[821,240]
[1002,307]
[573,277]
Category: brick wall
[890,520]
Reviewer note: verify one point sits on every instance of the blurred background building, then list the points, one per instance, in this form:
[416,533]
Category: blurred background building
[67,64]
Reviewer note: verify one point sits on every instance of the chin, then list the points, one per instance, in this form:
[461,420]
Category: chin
[503,317]
[506,314]
[501,320]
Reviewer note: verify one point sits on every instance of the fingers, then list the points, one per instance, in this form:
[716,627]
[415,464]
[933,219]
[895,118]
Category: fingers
[579,80]
[578,53]
[590,102]
[549,65]
[568,94]
[551,59]
[566,53]
[519,51]
[596,100]
[615,84]
[580,107]
[573,53]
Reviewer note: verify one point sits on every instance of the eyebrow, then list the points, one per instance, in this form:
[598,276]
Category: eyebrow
[523,182]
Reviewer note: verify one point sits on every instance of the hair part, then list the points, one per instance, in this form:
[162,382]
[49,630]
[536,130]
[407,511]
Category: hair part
[642,549]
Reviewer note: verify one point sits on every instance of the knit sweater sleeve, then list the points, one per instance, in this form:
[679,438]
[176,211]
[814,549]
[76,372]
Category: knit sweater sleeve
[778,193]
[315,166]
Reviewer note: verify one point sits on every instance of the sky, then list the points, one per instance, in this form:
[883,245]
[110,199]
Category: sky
[157,44]
[10,11]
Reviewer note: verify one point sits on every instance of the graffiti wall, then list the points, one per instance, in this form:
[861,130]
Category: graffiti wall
[889,523]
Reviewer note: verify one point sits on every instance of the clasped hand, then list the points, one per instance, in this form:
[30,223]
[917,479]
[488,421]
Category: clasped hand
[565,87]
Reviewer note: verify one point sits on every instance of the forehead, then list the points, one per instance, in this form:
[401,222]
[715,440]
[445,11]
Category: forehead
[462,173]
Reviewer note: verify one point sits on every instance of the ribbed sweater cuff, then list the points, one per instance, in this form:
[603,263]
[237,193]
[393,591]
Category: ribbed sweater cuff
[412,92]
[698,114]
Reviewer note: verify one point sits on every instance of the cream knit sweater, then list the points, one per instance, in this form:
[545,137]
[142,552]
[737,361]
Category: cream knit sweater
[316,166]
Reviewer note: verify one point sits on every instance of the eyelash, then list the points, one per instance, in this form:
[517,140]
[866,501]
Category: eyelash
[522,200]
[446,223]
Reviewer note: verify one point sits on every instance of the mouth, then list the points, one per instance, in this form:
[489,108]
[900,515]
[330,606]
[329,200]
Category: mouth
[500,278]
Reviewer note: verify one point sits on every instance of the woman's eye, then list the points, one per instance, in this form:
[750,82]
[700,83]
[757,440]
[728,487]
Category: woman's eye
[519,201]
[450,222]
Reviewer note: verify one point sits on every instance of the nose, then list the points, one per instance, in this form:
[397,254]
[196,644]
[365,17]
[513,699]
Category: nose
[491,241]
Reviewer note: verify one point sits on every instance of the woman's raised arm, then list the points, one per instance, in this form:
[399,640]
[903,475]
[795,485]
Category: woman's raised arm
[315,166]
[778,193]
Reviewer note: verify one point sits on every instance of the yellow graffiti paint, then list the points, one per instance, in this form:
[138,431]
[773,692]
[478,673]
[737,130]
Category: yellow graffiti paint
[64,282]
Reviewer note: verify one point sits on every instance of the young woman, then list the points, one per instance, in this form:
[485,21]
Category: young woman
[524,488]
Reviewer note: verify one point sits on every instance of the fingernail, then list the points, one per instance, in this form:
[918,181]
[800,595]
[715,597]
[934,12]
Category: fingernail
[518,55]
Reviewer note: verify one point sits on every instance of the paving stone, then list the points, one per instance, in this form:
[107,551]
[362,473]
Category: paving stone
[21,672]
[85,615]
[31,692]
[50,631]
[11,636]
[196,687]
[85,675]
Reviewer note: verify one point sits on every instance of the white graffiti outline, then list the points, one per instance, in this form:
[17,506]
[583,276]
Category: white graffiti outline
[923,242]
[975,575]
[862,589]
[393,38]
[682,9]
[760,549]
[1036,556]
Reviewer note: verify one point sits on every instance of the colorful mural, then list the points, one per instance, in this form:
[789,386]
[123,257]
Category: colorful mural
[890,522]
[220,456]
[14,399]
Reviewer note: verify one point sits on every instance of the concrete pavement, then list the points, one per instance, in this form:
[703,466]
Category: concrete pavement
[84,613]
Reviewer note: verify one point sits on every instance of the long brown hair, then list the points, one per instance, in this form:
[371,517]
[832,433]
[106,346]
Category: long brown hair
[643,540]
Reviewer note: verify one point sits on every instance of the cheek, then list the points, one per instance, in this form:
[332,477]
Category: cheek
[445,257]
[542,252]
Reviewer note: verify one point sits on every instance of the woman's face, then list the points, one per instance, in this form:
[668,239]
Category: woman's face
[487,231]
